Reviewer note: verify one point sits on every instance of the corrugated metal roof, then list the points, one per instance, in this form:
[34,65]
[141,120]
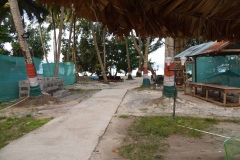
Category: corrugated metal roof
[192,51]
[217,46]
[204,48]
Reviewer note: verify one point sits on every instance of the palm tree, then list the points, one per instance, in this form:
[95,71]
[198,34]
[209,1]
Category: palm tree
[98,54]
[139,72]
[128,59]
[104,48]
[146,81]
[56,21]
[34,84]
[54,34]
[43,46]
[74,41]
[146,63]
[152,48]
[72,15]
[138,48]
[59,43]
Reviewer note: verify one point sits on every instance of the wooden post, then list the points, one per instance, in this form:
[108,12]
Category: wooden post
[206,93]
[224,98]
[239,98]
[195,90]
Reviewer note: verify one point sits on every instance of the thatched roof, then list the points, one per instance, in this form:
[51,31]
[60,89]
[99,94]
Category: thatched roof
[212,19]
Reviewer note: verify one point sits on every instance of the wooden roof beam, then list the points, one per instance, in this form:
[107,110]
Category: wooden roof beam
[230,50]
[171,7]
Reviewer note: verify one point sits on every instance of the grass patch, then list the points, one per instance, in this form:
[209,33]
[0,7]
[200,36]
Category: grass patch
[12,128]
[39,101]
[233,121]
[2,117]
[142,88]
[146,136]
[124,116]
[77,90]
[160,102]
[143,109]
[5,104]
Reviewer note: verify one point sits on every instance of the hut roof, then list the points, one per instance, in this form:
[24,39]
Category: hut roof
[212,19]
[222,48]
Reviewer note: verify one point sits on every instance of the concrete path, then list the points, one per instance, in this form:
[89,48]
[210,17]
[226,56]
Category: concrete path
[70,137]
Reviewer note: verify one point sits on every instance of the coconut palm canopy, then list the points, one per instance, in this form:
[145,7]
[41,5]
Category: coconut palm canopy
[212,19]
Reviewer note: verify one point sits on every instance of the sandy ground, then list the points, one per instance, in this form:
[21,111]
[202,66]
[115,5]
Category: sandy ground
[142,102]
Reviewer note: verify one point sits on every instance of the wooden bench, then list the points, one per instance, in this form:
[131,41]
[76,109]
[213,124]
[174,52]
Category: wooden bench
[206,87]
[112,79]
[118,79]
[100,78]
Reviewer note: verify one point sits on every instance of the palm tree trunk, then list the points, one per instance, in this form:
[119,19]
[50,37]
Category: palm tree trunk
[35,90]
[70,35]
[104,48]
[139,72]
[128,60]
[59,43]
[141,55]
[146,81]
[98,54]
[74,56]
[74,40]
[138,48]
[43,46]
[54,37]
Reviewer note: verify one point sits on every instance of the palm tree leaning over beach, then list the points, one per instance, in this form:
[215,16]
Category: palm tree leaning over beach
[35,90]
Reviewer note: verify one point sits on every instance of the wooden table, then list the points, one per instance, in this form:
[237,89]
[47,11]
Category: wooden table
[206,87]
[195,85]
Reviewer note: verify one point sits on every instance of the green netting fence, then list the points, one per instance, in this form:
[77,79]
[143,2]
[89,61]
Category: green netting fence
[13,70]
[66,72]
[221,69]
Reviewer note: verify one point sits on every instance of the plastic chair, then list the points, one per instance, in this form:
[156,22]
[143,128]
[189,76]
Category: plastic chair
[232,147]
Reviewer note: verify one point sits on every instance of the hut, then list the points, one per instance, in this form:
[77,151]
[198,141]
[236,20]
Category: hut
[213,62]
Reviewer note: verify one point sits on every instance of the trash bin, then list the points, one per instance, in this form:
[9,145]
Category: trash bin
[159,79]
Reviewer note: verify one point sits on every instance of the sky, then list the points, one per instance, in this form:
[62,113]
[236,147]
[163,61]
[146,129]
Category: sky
[158,57]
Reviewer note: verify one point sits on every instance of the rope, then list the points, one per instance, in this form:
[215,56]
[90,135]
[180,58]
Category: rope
[15,103]
[204,132]
[18,102]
